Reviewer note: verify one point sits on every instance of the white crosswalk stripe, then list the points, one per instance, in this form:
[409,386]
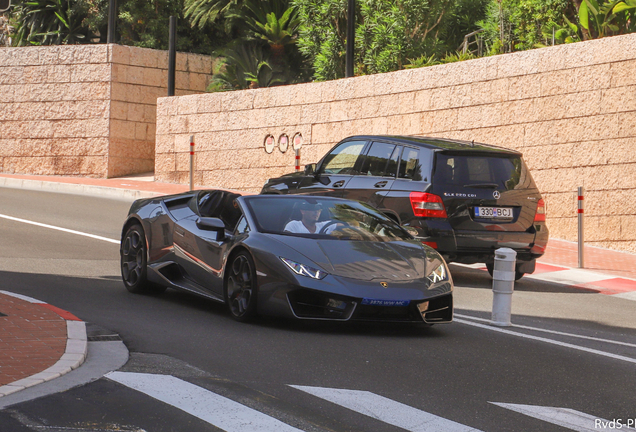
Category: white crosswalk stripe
[217,410]
[386,410]
[567,418]
[232,416]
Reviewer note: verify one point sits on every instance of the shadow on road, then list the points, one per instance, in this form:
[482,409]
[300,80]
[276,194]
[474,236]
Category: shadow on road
[480,279]
[105,301]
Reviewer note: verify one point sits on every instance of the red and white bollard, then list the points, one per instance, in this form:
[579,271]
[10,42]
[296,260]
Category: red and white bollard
[580,215]
[297,142]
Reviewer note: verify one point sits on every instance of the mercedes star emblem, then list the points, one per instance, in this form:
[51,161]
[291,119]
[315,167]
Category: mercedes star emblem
[496,194]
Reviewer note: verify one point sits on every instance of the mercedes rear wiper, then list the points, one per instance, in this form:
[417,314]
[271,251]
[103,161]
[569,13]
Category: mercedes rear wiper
[482,185]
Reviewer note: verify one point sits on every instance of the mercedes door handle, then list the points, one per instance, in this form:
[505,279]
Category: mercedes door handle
[380,184]
[338,183]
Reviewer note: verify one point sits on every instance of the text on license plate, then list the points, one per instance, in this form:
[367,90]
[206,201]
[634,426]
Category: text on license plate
[493,212]
[379,302]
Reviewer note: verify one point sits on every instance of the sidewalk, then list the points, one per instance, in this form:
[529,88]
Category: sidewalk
[39,342]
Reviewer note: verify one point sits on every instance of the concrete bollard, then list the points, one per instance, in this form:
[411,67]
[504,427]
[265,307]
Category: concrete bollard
[503,284]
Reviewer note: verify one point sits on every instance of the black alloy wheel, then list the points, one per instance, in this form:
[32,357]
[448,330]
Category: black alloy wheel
[134,252]
[240,287]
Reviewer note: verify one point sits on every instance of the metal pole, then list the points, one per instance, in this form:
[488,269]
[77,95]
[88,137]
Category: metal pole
[172,55]
[297,160]
[191,162]
[112,16]
[581,239]
[552,36]
[351,35]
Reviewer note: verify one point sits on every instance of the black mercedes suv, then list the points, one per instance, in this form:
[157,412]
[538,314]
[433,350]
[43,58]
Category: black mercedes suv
[464,199]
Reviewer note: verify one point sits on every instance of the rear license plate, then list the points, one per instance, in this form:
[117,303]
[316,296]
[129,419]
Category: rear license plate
[493,212]
[379,302]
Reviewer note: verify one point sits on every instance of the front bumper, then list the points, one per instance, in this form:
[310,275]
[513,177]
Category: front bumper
[317,305]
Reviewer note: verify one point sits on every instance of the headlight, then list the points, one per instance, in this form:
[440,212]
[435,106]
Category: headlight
[440,274]
[304,270]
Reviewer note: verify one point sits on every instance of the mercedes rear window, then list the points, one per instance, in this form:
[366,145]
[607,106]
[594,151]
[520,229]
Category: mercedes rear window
[507,172]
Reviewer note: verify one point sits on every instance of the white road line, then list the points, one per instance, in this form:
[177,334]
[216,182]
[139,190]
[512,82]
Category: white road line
[217,410]
[60,229]
[550,341]
[552,331]
[565,417]
[386,410]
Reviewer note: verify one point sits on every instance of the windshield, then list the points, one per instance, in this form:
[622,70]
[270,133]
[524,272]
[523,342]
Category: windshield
[324,218]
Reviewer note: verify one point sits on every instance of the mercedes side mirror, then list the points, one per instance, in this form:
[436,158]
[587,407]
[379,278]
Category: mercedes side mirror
[310,169]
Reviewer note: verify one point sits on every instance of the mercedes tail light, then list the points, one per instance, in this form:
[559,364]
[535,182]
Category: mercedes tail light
[427,205]
[539,216]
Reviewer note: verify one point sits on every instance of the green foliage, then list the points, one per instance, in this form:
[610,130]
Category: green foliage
[245,65]
[388,33]
[5,30]
[607,18]
[276,27]
[598,19]
[625,12]
[140,23]
[263,51]
[459,22]
[422,61]
[321,36]
[524,24]
[456,57]
[51,22]
[202,13]
[277,31]
[145,24]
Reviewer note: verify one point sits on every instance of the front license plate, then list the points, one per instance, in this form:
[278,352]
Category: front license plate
[493,212]
[379,302]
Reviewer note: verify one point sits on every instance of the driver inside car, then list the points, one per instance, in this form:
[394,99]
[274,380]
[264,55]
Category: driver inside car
[308,224]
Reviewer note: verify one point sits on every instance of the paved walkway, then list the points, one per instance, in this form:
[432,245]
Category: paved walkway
[39,342]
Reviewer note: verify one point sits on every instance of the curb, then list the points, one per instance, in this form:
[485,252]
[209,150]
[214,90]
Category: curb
[78,189]
[73,357]
[580,279]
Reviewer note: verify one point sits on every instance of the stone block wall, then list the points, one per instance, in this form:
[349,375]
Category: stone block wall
[54,114]
[571,109]
[139,77]
[86,110]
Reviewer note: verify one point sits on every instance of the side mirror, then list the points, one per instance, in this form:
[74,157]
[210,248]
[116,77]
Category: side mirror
[310,169]
[324,180]
[212,224]
[411,230]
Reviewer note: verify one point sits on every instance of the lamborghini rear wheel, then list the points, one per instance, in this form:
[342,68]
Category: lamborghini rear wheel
[241,288]
[134,262]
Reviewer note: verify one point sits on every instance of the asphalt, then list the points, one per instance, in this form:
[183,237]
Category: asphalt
[40,342]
